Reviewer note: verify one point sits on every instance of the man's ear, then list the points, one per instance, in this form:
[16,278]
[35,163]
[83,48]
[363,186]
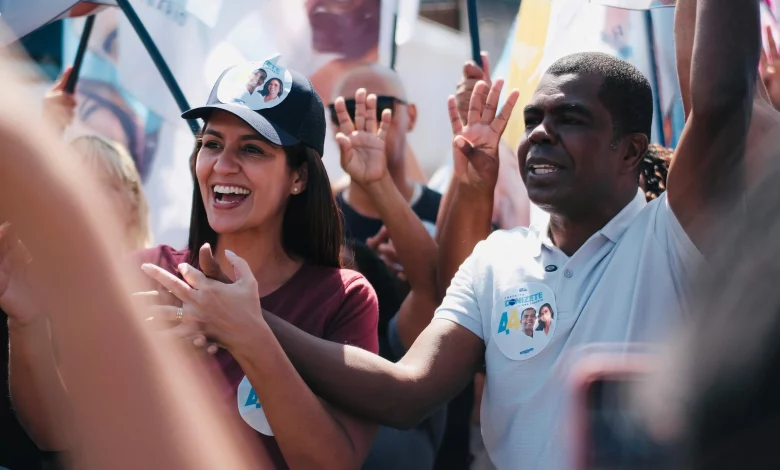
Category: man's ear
[412,110]
[636,149]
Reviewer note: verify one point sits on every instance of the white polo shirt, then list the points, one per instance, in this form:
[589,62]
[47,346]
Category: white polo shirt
[627,283]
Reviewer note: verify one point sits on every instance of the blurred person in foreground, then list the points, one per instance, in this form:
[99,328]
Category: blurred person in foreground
[119,181]
[260,190]
[613,267]
[715,396]
[104,352]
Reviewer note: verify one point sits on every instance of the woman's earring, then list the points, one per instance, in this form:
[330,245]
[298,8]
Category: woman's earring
[295,190]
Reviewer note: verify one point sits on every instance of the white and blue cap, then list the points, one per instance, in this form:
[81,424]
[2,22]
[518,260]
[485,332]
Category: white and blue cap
[280,104]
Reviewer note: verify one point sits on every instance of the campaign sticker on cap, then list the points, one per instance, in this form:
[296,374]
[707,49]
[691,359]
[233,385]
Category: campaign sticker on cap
[256,85]
[251,409]
[524,320]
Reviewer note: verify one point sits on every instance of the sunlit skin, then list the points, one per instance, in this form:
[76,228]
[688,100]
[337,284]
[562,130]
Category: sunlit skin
[529,320]
[234,154]
[381,82]
[567,126]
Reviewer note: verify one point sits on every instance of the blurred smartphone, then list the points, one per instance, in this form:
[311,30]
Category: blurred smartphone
[610,433]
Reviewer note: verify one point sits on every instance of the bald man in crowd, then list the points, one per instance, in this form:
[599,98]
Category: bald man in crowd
[361,219]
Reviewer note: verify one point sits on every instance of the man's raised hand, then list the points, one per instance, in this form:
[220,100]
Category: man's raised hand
[475,145]
[362,142]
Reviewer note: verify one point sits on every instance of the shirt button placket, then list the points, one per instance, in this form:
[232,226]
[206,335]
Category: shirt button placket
[568,273]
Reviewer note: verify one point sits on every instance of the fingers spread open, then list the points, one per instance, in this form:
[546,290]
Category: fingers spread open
[500,122]
[360,109]
[491,106]
[477,103]
[345,122]
[455,122]
[384,125]
[370,115]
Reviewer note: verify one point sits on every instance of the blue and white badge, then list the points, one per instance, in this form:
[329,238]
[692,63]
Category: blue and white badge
[524,320]
[251,409]
[256,85]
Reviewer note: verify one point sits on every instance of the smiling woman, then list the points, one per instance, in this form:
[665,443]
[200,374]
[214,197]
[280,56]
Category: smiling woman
[261,192]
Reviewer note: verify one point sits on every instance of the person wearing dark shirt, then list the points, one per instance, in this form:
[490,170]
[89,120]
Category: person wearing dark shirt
[361,219]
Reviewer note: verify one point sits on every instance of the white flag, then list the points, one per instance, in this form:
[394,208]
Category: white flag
[22,17]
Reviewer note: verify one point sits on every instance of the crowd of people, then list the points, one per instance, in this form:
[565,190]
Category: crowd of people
[380,324]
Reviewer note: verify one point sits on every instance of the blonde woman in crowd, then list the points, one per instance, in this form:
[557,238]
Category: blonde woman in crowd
[116,171]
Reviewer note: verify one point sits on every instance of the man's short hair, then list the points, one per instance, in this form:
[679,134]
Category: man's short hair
[625,92]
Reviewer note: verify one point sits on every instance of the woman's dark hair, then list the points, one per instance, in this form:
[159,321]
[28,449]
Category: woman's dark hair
[542,325]
[311,228]
[265,91]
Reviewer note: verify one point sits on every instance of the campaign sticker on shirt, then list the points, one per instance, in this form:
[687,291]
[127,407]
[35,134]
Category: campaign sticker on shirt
[256,85]
[524,321]
[251,409]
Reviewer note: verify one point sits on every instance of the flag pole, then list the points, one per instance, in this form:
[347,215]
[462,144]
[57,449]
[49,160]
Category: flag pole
[70,85]
[158,60]
[654,77]
[476,51]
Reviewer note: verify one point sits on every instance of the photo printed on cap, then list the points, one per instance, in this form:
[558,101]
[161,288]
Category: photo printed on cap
[256,85]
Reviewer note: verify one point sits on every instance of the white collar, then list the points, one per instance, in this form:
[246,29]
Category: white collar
[613,231]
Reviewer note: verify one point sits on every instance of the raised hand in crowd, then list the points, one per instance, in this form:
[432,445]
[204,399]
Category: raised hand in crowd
[476,168]
[362,142]
[472,74]
[58,105]
[363,157]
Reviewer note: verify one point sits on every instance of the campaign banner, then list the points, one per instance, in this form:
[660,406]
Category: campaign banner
[323,39]
[24,17]
[527,50]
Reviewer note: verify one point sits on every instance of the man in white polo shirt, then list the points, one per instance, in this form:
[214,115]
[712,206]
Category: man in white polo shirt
[613,268]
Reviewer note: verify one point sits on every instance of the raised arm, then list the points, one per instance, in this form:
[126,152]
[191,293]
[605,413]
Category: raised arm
[472,75]
[707,171]
[363,157]
[476,165]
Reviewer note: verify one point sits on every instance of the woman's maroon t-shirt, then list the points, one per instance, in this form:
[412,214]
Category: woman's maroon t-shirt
[338,305]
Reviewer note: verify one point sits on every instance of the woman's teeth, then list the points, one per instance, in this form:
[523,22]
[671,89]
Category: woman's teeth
[230,190]
[230,194]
